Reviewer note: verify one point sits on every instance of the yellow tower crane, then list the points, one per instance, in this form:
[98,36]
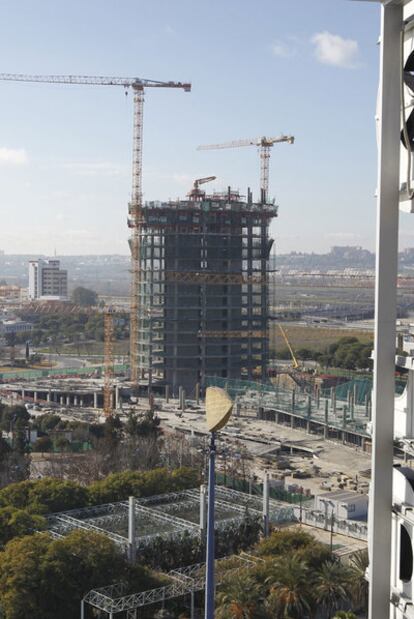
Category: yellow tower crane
[265,145]
[138,85]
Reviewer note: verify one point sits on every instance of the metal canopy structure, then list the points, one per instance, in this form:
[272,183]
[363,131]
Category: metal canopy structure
[165,516]
[183,581]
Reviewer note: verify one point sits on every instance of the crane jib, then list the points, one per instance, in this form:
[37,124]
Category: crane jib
[126,82]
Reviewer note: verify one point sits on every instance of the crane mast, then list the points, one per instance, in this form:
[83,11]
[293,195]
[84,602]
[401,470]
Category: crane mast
[265,144]
[135,206]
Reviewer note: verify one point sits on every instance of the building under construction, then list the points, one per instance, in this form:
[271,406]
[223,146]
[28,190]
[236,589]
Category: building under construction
[203,293]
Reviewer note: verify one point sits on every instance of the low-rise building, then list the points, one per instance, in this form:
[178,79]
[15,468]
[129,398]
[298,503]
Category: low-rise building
[343,504]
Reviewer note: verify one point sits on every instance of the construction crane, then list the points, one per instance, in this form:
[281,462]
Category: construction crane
[265,145]
[295,364]
[196,193]
[138,86]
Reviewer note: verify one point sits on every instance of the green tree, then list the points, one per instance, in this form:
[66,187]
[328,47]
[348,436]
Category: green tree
[143,425]
[330,586]
[84,296]
[43,444]
[17,522]
[44,495]
[239,599]
[290,589]
[358,584]
[42,578]
[285,541]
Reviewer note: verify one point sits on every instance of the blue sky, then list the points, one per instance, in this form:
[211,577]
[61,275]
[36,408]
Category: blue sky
[306,67]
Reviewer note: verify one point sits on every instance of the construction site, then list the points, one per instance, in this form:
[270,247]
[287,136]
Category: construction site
[204,289]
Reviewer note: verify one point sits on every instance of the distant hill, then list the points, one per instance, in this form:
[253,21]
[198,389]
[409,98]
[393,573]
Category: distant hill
[340,257]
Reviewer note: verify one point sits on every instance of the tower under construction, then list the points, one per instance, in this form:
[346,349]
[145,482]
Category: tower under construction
[203,293]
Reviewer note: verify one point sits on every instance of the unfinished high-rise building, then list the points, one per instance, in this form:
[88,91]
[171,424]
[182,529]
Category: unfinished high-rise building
[203,301]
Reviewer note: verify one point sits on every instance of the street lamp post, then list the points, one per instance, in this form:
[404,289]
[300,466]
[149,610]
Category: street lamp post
[219,407]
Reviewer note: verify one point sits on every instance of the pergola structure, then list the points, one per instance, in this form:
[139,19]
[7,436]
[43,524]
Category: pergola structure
[183,581]
[138,522]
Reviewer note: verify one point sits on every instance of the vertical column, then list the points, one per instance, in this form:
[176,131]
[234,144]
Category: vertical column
[210,566]
[23,393]
[48,395]
[309,414]
[197,393]
[180,397]
[192,605]
[203,509]
[116,397]
[266,504]
[131,530]
[34,396]
[68,400]
[167,393]
[389,102]
[183,399]
[75,400]
[326,427]
[61,399]
[95,399]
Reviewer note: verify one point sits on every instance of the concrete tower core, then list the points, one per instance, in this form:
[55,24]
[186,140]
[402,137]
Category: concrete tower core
[204,305]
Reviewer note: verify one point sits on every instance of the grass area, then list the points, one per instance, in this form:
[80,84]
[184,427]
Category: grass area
[315,338]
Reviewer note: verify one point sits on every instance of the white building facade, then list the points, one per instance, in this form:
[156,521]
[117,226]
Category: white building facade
[47,281]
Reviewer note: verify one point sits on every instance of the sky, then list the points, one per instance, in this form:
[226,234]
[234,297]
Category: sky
[303,67]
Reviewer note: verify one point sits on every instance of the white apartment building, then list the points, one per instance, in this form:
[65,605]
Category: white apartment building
[47,281]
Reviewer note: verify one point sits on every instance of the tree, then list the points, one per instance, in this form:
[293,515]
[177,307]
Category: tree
[290,591]
[44,495]
[285,541]
[240,598]
[358,584]
[10,415]
[14,466]
[42,578]
[330,586]
[84,296]
[17,522]
[43,444]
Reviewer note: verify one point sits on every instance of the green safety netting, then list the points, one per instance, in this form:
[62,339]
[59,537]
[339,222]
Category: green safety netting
[360,387]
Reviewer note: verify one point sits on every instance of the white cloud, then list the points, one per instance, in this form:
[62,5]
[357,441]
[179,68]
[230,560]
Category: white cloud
[14,156]
[336,51]
[281,50]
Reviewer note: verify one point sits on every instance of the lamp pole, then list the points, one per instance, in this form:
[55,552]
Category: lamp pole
[210,581]
[219,407]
